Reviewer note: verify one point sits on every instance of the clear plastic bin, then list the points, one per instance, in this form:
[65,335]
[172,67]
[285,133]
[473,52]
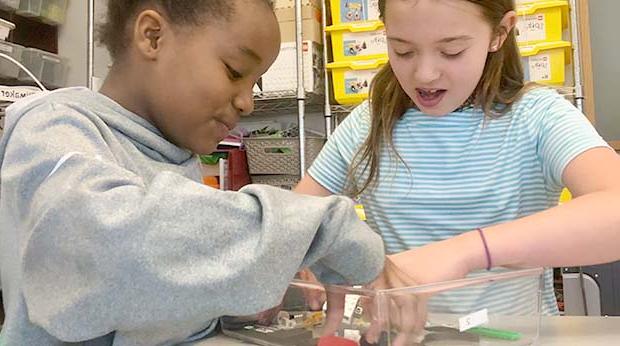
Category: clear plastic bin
[30,8]
[282,74]
[5,28]
[54,11]
[47,67]
[7,68]
[9,5]
[457,313]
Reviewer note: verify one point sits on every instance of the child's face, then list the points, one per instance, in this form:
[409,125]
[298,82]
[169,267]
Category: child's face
[437,50]
[202,82]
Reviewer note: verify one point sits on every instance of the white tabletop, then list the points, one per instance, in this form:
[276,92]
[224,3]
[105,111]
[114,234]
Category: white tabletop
[555,331]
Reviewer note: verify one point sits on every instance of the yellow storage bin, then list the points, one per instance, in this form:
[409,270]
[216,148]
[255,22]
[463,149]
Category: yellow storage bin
[545,62]
[346,11]
[541,21]
[358,41]
[351,79]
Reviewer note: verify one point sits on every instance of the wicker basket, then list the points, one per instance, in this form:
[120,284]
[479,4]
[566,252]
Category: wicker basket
[266,157]
[284,181]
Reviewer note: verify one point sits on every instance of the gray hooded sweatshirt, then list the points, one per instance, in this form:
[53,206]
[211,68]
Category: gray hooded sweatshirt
[108,237]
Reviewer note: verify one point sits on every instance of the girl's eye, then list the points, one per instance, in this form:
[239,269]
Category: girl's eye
[452,55]
[403,54]
[233,73]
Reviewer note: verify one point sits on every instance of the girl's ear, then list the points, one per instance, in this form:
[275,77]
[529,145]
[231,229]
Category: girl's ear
[503,30]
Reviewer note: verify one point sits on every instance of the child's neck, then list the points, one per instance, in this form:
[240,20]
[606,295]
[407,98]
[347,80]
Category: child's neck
[125,88]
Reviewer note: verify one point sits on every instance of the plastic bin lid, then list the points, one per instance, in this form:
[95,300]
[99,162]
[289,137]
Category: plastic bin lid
[359,64]
[533,49]
[530,8]
[368,25]
[42,52]
[7,24]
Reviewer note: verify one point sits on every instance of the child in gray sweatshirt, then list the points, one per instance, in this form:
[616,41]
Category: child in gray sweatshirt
[107,235]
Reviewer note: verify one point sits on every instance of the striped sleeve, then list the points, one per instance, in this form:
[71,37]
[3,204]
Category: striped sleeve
[331,166]
[564,133]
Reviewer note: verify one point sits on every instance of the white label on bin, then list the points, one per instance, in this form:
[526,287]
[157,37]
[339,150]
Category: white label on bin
[540,67]
[6,48]
[12,94]
[358,10]
[358,82]
[352,334]
[473,320]
[531,28]
[365,43]
[350,303]
[373,9]
[353,10]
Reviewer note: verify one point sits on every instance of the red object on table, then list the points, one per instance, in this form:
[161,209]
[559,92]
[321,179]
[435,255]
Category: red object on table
[336,341]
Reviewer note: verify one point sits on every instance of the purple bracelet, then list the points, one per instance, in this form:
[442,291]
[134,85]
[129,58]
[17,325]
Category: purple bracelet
[486,249]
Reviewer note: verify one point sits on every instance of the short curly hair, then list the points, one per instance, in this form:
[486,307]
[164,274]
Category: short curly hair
[113,33]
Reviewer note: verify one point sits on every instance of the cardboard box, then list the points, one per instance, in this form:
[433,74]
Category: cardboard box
[282,75]
[311,24]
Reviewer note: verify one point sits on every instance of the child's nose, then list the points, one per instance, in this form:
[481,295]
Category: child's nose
[244,101]
[426,70]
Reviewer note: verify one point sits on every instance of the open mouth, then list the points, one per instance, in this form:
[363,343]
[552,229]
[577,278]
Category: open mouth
[430,97]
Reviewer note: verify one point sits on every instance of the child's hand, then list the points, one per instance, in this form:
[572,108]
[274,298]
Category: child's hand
[314,298]
[267,317]
[450,259]
[335,312]
[441,261]
[405,313]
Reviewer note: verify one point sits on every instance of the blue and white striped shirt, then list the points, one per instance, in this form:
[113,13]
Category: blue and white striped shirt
[462,172]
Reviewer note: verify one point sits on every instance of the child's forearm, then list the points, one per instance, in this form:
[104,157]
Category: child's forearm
[583,231]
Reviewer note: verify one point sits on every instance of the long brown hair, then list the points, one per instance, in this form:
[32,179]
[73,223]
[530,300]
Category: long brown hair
[499,87]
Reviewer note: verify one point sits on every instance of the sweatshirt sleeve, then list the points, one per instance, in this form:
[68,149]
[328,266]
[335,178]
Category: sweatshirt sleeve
[103,250]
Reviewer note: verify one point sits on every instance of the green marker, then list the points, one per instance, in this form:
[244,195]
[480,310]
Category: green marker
[495,333]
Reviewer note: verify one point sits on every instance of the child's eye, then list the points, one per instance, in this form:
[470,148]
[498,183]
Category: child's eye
[403,54]
[452,55]
[233,73]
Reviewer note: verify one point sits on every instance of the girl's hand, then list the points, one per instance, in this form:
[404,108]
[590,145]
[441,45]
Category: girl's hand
[405,313]
[450,259]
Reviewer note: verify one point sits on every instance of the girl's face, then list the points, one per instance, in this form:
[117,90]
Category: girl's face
[438,50]
[201,78]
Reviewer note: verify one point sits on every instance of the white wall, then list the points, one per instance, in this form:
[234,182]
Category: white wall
[72,38]
[606,66]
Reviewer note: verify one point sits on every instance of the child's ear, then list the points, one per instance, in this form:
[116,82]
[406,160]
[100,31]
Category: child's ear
[148,33]
[504,29]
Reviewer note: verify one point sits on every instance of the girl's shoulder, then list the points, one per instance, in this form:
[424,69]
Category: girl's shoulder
[537,96]
[359,118]
[541,102]
[362,111]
